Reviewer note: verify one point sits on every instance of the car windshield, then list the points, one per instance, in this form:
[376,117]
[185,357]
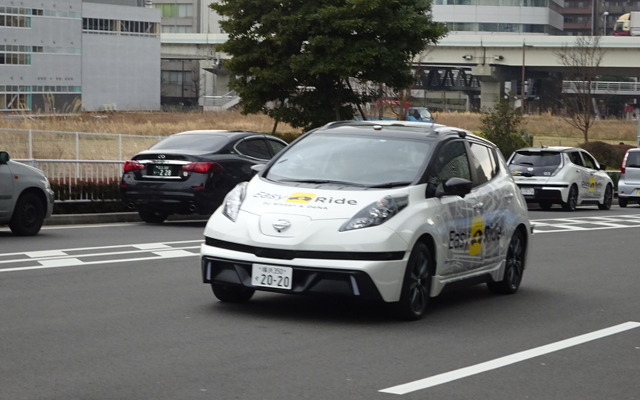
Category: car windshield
[535,163]
[205,143]
[352,161]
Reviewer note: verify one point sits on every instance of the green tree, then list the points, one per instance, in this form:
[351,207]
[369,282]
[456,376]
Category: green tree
[501,125]
[307,63]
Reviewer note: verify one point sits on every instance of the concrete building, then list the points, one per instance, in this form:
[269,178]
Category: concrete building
[500,16]
[593,17]
[73,55]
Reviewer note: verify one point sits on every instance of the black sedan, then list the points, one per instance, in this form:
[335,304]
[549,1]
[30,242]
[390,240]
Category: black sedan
[191,172]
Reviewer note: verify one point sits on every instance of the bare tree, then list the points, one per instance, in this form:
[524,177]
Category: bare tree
[582,60]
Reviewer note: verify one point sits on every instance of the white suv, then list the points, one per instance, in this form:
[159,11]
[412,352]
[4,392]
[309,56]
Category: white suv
[568,176]
[384,210]
[629,183]
[26,198]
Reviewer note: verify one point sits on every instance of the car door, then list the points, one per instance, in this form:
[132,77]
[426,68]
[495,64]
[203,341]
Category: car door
[577,174]
[494,202]
[6,190]
[459,218]
[596,181]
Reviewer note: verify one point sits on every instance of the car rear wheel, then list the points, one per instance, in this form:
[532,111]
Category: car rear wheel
[514,266]
[622,202]
[608,199]
[28,215]
[416,286]
[152,216]
[572,199]
[232,294]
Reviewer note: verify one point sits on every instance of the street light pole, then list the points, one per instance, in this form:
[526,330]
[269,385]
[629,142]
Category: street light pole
[522,78]
[604,23]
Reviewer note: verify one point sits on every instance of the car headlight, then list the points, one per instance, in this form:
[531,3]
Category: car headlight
[376,213]
[233,201]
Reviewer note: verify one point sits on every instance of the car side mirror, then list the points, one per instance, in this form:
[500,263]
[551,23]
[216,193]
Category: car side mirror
[456,187]
[257,167]
[4,157]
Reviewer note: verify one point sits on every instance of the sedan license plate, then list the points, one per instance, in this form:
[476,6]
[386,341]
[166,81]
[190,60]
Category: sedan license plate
[161,170]
[527,191]
[271,276]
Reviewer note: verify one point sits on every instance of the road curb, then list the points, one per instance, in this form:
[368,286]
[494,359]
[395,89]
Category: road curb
[105,218]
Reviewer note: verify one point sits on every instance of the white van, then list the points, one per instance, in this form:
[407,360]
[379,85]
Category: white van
[26,198]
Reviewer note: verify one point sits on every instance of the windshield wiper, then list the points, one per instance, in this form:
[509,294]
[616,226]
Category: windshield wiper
[322,182]
[390,184]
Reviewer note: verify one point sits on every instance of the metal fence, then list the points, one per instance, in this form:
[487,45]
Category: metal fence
[38,144]
[81,180]
[81,166]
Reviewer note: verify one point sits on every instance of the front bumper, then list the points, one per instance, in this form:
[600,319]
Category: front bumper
[305,280]
[370,276]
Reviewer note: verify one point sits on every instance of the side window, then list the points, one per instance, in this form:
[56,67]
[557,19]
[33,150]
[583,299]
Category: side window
[275,146]
[450,162]
[482,162]
[255,148]
[589,161]
[575,158]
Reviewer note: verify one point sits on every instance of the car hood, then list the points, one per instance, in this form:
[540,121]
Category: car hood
[18,168]
[312,202]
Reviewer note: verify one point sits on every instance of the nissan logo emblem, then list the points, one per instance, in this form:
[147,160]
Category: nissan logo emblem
[281,225]
[162,156]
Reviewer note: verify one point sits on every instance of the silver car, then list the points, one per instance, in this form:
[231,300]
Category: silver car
[629,183]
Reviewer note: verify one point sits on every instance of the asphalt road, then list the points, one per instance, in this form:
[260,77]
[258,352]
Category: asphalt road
[118,311]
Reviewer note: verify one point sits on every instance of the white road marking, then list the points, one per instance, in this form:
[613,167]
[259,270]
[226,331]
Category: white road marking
[87,255]
[552,225]
[507,360]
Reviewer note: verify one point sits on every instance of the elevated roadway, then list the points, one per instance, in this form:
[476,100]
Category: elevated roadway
[481,63]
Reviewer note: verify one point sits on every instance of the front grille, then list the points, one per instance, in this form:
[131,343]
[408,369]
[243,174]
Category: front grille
[283,254]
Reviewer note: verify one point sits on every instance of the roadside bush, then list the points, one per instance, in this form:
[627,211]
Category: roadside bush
[86,196]
[610,155]
[501,125]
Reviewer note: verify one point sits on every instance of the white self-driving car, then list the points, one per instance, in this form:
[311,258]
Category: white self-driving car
[384,210]
[569,176]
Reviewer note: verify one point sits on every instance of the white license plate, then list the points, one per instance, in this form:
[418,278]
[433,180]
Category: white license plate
[527,191]
[271,276]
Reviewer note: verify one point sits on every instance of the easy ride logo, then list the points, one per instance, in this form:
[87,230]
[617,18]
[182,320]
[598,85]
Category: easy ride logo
[300,198]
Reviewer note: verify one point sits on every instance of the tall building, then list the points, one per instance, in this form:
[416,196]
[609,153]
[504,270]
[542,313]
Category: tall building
[500,16]
[593,17]
[73,55]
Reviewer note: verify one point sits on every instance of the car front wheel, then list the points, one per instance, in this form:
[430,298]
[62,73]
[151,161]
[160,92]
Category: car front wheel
[572,199]
[416,286]
[608,199]
[514,266]
[28,215]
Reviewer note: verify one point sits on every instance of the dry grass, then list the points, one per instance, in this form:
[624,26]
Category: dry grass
[545,129]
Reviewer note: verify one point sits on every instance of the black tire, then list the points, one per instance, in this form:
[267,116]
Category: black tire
[152,216]
[416,285]
[608,199]
[622,202]
[572,199]
[514,266]
[28,216]
[545,205]
[232,294]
